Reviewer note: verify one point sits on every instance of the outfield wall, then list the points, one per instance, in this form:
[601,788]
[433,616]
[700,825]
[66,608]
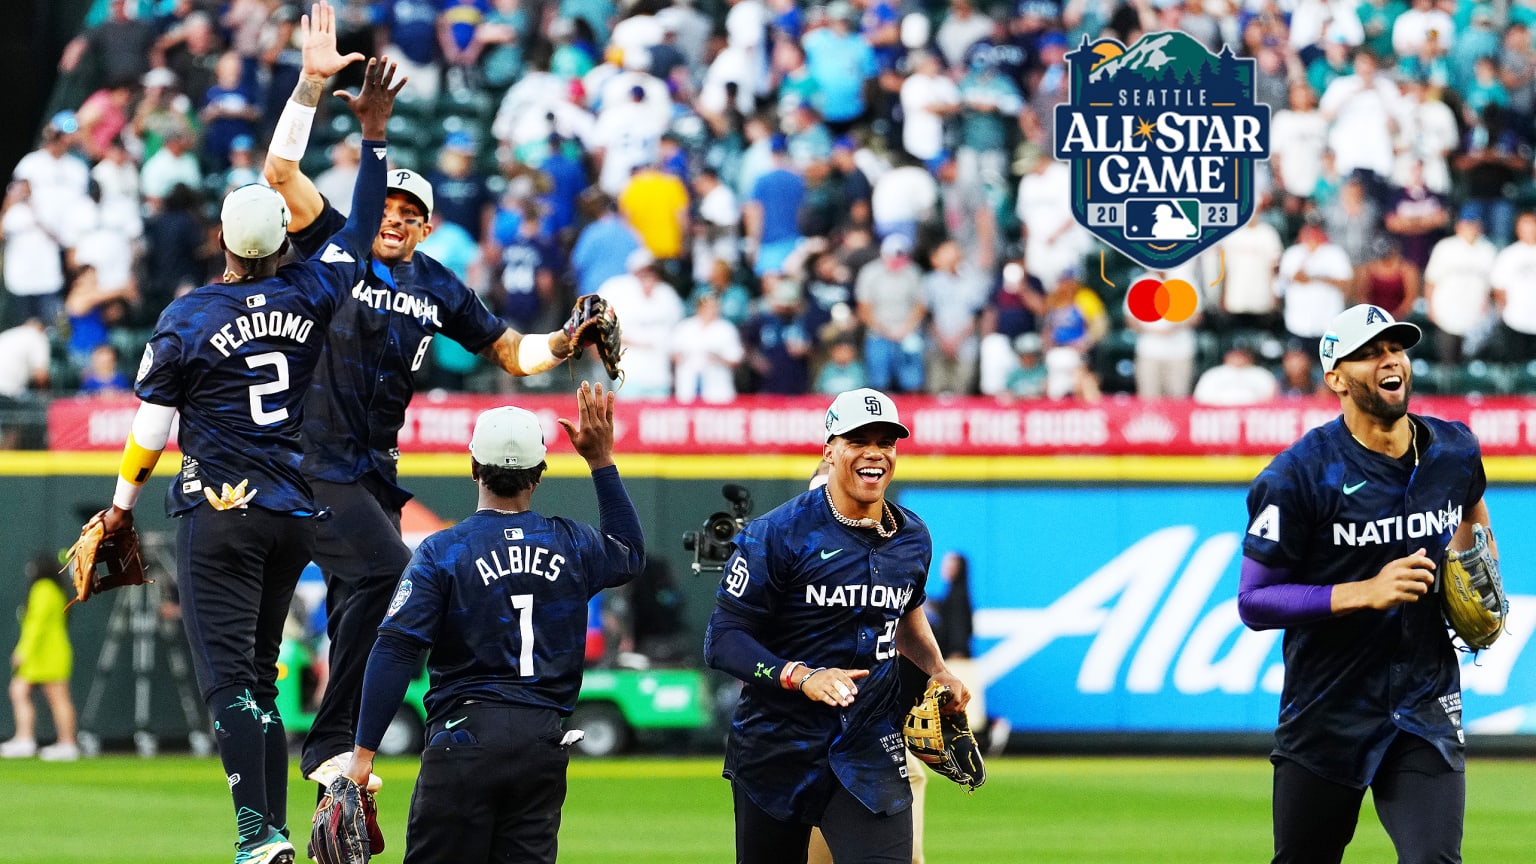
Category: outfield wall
[1105,587]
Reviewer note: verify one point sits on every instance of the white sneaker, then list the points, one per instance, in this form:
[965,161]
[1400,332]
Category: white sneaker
[337,765]
[18,748]
[59,753]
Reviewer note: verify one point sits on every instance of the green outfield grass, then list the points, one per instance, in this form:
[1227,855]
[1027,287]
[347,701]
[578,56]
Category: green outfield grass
[1083,811]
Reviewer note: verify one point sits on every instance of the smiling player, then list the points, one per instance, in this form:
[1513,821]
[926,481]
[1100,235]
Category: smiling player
[820,596]
[1346,531]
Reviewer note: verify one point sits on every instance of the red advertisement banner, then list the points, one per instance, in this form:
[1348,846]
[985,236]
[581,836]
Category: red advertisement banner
[970,427]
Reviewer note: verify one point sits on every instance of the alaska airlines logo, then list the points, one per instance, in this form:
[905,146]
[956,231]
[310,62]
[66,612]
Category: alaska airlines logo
[1162,137]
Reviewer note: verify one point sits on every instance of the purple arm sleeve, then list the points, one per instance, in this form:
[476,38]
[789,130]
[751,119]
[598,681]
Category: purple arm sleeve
[1266,600]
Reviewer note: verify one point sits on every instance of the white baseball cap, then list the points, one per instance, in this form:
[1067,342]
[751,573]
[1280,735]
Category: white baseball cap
[413,184]
[254,220]
[508,437]
[1359,326]
[854,408]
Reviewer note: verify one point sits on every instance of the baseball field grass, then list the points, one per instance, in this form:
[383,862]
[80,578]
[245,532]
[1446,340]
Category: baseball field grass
[174,809]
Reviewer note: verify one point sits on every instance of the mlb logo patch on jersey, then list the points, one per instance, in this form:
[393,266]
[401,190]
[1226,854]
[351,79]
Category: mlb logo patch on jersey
[1162,137]
[146,363]
[256,301]
[512,533]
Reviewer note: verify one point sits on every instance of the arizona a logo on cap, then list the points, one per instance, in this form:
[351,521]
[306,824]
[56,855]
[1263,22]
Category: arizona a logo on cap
[1162,137]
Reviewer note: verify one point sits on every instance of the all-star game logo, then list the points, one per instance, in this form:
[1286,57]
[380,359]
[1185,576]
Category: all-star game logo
[1162,137]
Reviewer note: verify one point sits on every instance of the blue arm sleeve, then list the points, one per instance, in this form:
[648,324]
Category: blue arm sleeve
[1266,600]
[368,196]
[391,665]
[731,647]
[616,513]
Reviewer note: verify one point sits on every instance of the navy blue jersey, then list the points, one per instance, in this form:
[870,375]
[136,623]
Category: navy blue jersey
[1328,510]
[377,342]
[237,359]
[819,592]
[501,599]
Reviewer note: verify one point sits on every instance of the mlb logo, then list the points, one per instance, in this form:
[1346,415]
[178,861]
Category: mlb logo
[512,533]
[256,301]
[1162,219]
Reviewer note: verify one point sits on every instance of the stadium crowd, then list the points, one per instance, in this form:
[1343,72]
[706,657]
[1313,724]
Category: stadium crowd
[781,198]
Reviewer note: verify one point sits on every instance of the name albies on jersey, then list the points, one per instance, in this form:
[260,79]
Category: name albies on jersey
[237,360]
[376,344]
[819,592]
[502,600]
[1328,511]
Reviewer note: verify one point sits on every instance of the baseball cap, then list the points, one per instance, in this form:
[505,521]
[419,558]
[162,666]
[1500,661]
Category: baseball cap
[413,184]
[1470,213]
[895,244]
[639,259]
[459,140]
[254,220]
[1361,325]
[855,408]
[508,437]
[65,122]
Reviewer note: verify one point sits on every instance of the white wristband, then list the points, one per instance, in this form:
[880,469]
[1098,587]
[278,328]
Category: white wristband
[126,495]
[534,354]
[292,133]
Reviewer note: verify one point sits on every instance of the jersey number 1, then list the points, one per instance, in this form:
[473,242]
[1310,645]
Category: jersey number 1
[523,603]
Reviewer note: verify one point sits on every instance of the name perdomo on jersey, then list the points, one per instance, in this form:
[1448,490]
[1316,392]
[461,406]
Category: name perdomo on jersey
[396,301]
[258,325]
[1393,529]
[858,595]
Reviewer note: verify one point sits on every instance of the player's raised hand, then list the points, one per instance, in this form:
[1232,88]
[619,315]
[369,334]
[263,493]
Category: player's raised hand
[1402,580]
[317,30]
[593,439]
[376,101]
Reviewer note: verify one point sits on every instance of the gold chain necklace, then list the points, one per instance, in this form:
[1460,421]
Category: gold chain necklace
[865,522]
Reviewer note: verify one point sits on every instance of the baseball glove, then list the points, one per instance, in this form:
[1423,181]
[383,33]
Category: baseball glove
[944,741]
[1472,593]
[593,322]
[103,561]
[345,829]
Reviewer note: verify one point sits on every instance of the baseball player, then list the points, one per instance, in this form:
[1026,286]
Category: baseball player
[236,359]
[500,602]
[365,381]
[814,606]
[1345,531]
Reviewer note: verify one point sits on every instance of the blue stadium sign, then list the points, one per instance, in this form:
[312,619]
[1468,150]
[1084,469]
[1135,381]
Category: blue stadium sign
[1162,137]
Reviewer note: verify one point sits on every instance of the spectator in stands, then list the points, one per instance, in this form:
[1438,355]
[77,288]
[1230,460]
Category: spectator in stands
[1314,276]
[777,341]
[530,265]
[955,293]
[174,165]
[706,349]
[57,181]
[841,63]
[23,359]
[969,216]
[1027,380]
[771,215]
[1054,242]
[892,307]
[101,376]
[989,100]
[229,110]
[655,203]
[191,50]
[118,49]
[1388,279]
[717,231]
[1298,137]
[1456,285]
[604,246]
[1490,163]
[1418,216]
[1236,380]
[903,199]
[242,169]
[116,179]
[1165,350]
[1358,107]
[1413,28]
[282,61]
[33,260]
[1513,281]
[498,39]
[1352,221]
[928,99]
[1426,135]
[162,110]
[459,190]
[177,254]
[406,32]
[103,117]
[650,310]
[336,181]
[843,369]
[1072,324]
[1298,377]
[1250,260]
[1009,314]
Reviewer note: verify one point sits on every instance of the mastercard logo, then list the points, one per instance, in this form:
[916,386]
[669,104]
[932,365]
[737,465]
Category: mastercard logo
[1154,300]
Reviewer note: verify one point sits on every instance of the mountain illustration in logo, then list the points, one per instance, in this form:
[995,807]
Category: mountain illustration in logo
[1162,58]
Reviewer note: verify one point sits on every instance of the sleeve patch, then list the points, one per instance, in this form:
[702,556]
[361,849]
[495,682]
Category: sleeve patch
[1266,526]
[402,594]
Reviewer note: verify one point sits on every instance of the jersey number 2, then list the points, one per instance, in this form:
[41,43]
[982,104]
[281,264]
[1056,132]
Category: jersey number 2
[259,413]
[523,603]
